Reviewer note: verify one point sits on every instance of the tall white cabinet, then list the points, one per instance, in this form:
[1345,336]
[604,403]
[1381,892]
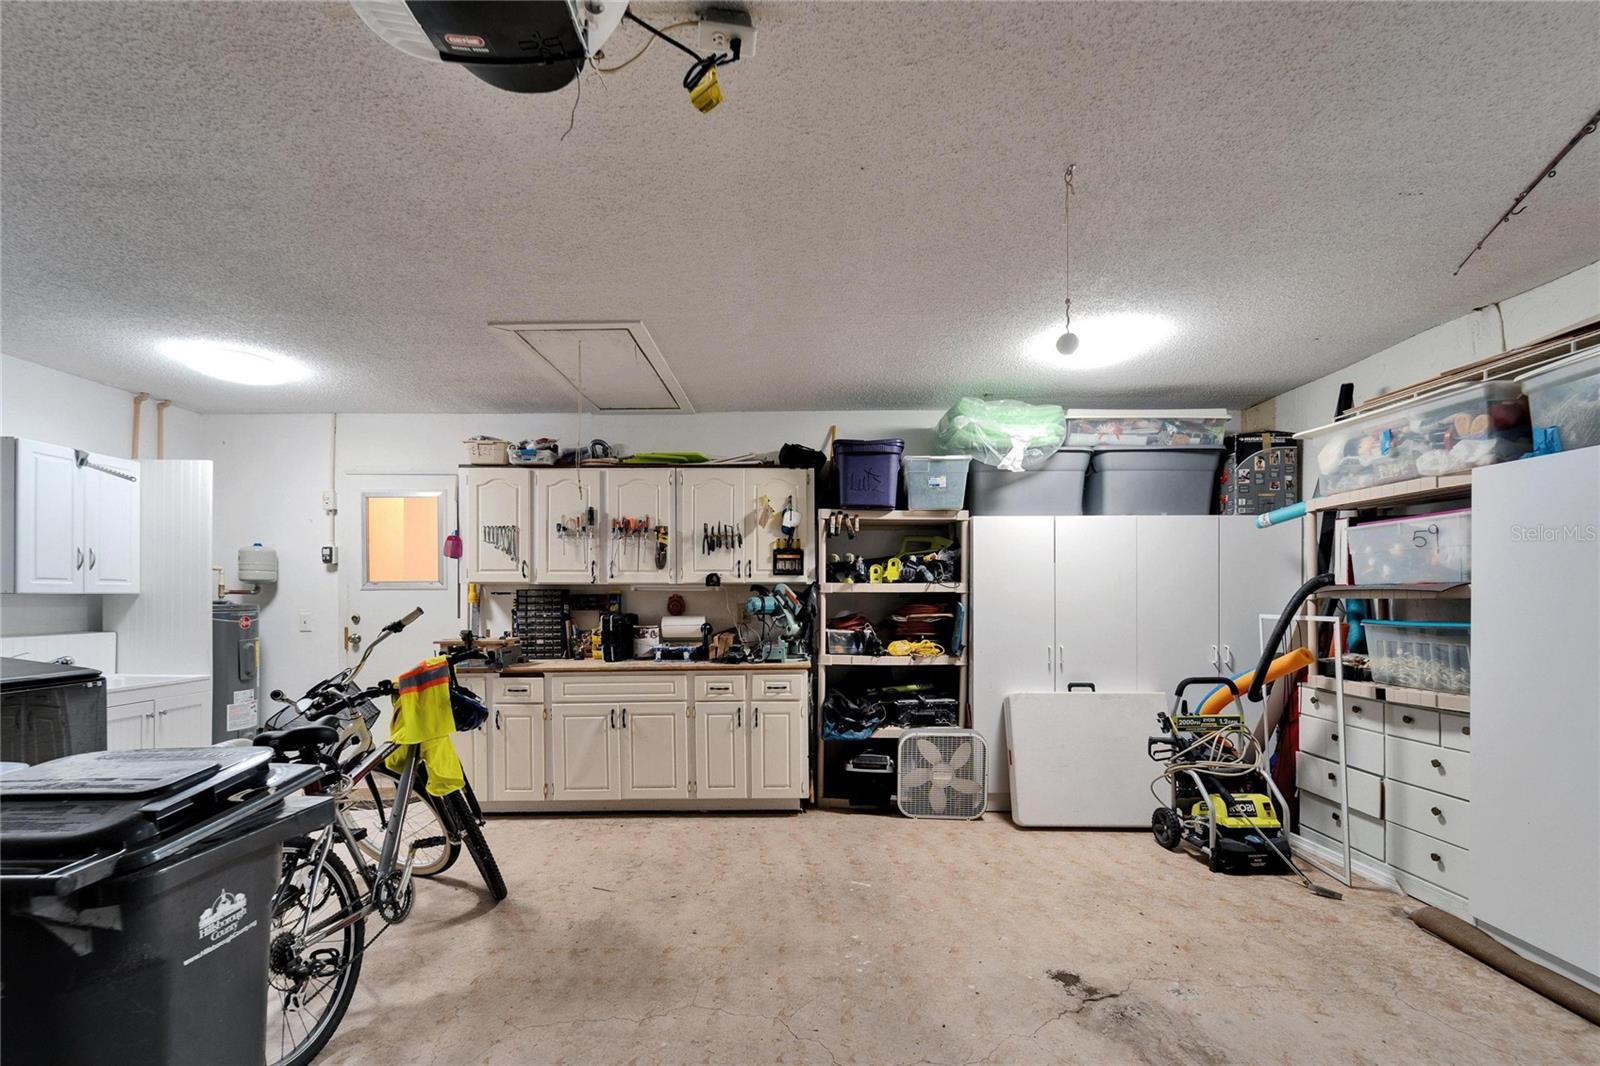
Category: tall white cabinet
[1534,877]
[1122,602]
[70,520]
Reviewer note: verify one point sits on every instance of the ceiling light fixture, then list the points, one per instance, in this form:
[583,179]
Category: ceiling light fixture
[1068,342]
[238,363]
[1100,340]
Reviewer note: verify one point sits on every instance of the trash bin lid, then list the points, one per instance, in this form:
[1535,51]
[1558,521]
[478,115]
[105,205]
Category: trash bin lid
[117,798]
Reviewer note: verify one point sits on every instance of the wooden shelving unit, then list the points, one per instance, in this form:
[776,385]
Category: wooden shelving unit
[1417,490]
[875,599]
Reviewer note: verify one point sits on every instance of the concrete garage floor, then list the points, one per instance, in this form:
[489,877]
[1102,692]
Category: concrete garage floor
[832,937]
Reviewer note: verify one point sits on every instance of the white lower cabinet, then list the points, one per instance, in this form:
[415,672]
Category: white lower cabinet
[131,725]
[778,766]
[472,747]
[648,738]
[159,716]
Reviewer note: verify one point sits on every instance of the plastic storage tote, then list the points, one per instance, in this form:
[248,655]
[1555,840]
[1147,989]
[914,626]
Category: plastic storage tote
[1445,433]
[869,472]
[189,871]
[1146,429]
[1152,481]
[1056,488]
[936,482]
[1416,549]
[1565,396]
[1430,655]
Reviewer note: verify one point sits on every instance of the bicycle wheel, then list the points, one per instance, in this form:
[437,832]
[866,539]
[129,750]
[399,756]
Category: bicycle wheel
[309,985]
[368,806]
[472,835]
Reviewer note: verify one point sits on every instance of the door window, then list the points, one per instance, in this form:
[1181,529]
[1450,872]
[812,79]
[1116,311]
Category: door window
[402,540]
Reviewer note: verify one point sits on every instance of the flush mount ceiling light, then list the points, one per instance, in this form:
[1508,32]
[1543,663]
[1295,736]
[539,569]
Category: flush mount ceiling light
[238,363]
[1102,340]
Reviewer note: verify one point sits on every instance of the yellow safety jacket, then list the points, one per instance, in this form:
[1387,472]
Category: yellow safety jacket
[422,716]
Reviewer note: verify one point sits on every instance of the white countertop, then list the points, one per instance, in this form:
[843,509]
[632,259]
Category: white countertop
[130,682]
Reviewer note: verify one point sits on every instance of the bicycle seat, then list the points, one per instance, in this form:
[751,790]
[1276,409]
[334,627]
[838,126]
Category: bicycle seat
[307,737]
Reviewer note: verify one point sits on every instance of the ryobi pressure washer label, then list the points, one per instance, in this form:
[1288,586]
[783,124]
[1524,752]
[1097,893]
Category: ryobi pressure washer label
[222,923]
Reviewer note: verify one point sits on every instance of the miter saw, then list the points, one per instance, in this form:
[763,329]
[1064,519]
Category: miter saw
[539,46]
[782,631]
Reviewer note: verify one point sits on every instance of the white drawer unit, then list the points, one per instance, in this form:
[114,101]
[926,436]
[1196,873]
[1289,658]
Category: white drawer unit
[717,688]
[1358,713]
[607,688]
[1426,857]
[1322,815]
[1430,813]
[1455,731]
[1364,750]
[1321,777]
[1429,766]
[1412,723]
[779,686]
[519,690]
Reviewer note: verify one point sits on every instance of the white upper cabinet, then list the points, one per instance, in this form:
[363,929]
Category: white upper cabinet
[1097,609]
[110,524]
[769,491]
[712,502]
[68,527]
[568,515]
[499,533]
[638,500]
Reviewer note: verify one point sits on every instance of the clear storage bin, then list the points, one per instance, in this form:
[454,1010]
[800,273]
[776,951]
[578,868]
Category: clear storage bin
[1446,433]
[1146,429]
[1414,550]
[935,482]
[1429,655]
[1566,396]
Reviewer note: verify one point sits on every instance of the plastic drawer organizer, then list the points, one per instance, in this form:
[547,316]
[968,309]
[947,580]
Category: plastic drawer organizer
[1446,433]
[1427,655]
[1416,549]
[1565,396]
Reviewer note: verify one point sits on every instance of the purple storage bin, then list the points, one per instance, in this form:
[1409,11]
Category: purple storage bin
[869,472]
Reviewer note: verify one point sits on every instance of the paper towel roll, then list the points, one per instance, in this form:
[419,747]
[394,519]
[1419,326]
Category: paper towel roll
[682,627]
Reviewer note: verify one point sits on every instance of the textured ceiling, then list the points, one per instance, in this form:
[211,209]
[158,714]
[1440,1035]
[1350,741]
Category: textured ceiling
[872,219]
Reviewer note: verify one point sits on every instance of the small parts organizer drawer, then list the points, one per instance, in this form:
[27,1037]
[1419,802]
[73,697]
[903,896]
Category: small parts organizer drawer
[719,688]
[1358,713]
[1455,730]
[1432,813]
[519,690]
[637,685]
[1412,723]
[1426,857]
[1429,766]
[779,686]
[1363,748]
[1322,815]
[1321,777]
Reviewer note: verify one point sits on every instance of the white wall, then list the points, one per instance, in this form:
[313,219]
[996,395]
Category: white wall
[44,404]
[1525,318]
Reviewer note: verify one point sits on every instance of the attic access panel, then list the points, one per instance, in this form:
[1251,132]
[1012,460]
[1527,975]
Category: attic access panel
[613,367]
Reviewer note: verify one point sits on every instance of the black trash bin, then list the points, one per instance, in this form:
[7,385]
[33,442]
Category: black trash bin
[136,891]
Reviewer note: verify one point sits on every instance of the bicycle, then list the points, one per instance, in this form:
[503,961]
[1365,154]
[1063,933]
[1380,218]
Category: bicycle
[320,908]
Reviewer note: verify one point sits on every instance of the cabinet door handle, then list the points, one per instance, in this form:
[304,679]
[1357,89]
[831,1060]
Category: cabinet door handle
[524,569]
[755,718]
[1466,730]
[613,568]
[738,568]
[624,717]
[1436,764]
[1315,702]
[1227,654]
[738,717]
[80,559]
[1333,777]
[1434,855]
[1336,818]
[91,558]
[594,573]
[1049,658]
[1061,657]
[1333,736]
[1436,812]
[613,715]
[1216,660]
[1407,719]
[497,718]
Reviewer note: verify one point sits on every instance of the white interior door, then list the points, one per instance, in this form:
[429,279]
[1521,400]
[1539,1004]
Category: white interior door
[1177,600]
[655,750]
[640,497]
[391,530]
[584,749]
[1097,602]
[1013,623]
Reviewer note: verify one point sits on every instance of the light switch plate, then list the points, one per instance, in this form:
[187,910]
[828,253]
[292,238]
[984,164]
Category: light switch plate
[305,621]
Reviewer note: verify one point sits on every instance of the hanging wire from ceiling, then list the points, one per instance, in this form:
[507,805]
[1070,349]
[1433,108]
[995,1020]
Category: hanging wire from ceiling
[1549,171]
[1067,343]
[648,42]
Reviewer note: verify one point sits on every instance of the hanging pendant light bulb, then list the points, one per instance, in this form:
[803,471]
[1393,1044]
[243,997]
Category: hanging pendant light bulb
[1067,343]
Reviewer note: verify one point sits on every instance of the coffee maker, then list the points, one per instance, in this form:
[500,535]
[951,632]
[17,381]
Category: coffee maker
[616,636]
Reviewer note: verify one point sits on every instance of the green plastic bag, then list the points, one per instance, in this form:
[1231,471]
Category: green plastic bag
[1008,434]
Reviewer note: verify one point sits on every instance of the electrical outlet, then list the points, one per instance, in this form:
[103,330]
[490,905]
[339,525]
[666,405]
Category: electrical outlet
[720,26]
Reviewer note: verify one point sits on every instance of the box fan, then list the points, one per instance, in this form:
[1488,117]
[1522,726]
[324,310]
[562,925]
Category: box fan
[942,773]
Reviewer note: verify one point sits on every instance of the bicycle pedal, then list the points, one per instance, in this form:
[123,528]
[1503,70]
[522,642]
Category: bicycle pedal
[358,832]
[428,842]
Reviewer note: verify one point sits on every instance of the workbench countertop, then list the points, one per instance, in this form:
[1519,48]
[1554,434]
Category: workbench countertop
[565,666]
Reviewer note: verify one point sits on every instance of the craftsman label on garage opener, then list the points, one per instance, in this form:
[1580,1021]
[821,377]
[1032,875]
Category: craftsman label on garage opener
[222,923]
